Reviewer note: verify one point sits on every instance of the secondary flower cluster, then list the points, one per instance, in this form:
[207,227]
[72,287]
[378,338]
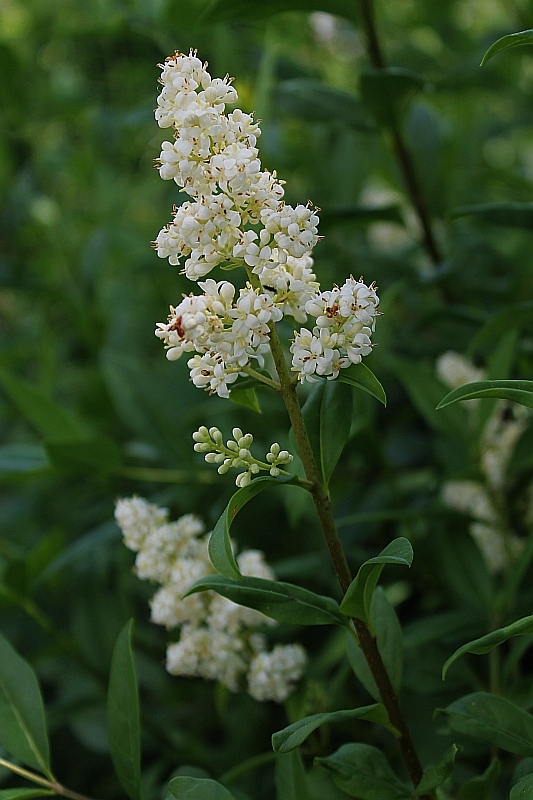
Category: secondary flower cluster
[237,217]
[236,453]
[345,319]
[501,432]
[219,640]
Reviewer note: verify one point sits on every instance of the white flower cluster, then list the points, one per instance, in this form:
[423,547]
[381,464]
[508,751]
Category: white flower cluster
[236,453]
[237,217]
[214,158]
[499,546]
[219,639]
[224,332]
[345,320]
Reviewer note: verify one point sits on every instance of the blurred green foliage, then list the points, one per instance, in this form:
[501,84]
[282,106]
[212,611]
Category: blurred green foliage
[90,409]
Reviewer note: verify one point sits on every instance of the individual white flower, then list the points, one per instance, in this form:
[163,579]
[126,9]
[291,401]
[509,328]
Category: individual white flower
[272,675]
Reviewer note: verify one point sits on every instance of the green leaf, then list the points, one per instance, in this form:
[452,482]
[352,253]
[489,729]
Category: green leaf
[18,459]
[123,723]
[511,40]
[294,735]
[435,775]
[509,215]
[24,794]
[327,414]
[487,643]
[385,624]
[246,398]
[360,376]
[363,772]
[482,786]
[50,420]
[519,391]
[356,601]
[100,454]
[492,719]
[515,315]
[220,549]
[523,790]
[280,601]
[22,720]
[386,92]
[187,788]
[290,777]
[499,365]
[313,101]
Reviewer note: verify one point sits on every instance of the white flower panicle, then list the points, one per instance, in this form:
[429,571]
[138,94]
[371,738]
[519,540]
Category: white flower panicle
[345,320]
[214,158]
[218,639]
[236,454]
[236,217]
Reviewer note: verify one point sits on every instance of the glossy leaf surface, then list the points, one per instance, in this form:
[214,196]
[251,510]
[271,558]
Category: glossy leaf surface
[187,788]
[280,601]
[294,735]
[123,722]
[511,40]
[363,772]
[360,376]
[519,391]
[436,775]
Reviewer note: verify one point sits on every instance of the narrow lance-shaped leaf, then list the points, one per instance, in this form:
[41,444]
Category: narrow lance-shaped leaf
[187,788]
[294,735]
[123,722]
[280,601]
[519,391]
[220,549]
[436,774]
[22,721]
[491,640]
[511,40]
[327,414]
[492,719]
[246,397]
[360,376]
[356,602]
[290,777]
[363,772]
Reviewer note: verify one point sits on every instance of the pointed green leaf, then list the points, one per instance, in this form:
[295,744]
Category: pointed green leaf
[291,780]
[511,40]
[327,414]
[360,376]
[385,624]
[22,720]
[492,719]
[280,601]
[519,391]
[491,640]
[499,366]
[51,421]
[294,735]
[522,790]
[123,722]
[435,775]
[356,601]
[363,772]
[482,786]
[245,397]
[187,788]
[220,549]
[509,215]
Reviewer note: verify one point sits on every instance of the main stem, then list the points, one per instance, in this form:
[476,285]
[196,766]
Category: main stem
[403,156]
[325,514]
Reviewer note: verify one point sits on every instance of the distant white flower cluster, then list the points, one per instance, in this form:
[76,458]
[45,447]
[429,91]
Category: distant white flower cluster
[345,319]
[498,438]
[219,640]
[237,217]
[236,453]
